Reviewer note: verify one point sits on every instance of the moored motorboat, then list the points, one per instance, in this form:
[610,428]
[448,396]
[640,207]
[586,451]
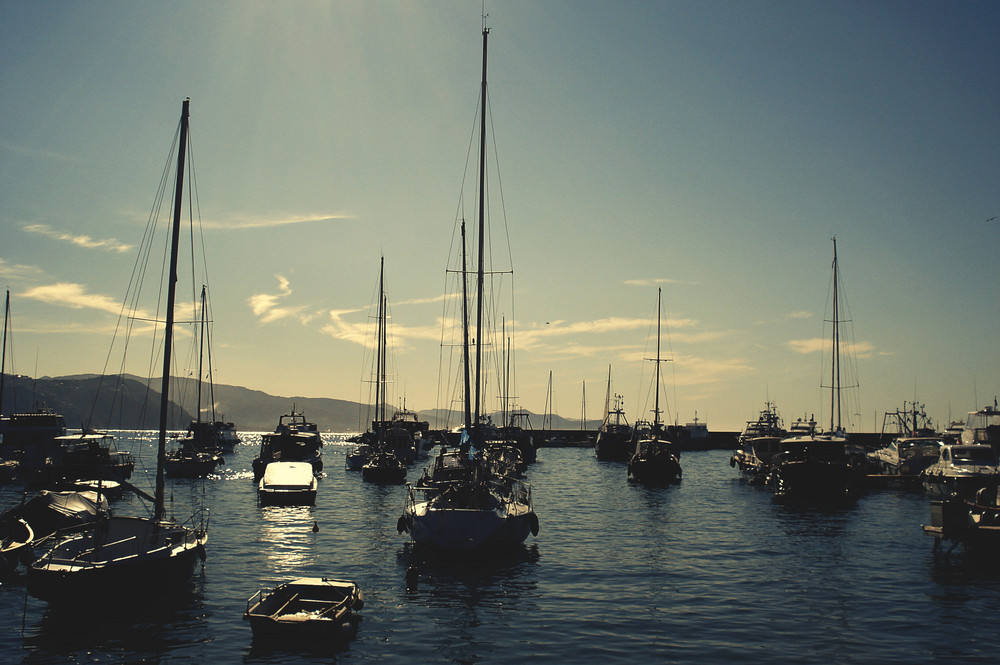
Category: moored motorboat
[295,439]
[287,484]
[89,455]
[983,427]
[975,524]
[758,444]
[961,470]
[906,456]
[309,608]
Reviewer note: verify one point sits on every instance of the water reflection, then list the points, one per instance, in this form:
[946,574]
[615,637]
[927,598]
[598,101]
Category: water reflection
[144,631]
[286,534]
[471,600]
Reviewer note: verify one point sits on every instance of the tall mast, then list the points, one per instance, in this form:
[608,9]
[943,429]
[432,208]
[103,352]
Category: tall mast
[835,367]
[380,357]
[201,353]
[161,450]
[3,354]
[482,229]
[656,408]
[467,406]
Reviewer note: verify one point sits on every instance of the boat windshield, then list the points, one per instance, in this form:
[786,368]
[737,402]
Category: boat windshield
[974,456]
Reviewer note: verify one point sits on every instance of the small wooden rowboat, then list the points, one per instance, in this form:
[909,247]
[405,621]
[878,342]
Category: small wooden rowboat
[310,608]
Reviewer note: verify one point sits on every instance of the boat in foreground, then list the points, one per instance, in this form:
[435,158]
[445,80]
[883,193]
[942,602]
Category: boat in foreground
[309,608]
[136,557]
[287,484]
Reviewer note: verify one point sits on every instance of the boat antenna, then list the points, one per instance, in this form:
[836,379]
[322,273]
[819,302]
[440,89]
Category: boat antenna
[161,450]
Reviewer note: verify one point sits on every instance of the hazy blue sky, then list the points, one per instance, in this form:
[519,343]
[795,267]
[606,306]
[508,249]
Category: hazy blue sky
[711,148]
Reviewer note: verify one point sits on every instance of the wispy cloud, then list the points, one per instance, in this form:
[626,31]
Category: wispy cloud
[801,314]
[270,222]
[85,241]
[819,344]
[17,270]
[267,307]
[70,294]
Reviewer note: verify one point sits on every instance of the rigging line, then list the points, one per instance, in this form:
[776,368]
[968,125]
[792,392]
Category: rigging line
[135,279]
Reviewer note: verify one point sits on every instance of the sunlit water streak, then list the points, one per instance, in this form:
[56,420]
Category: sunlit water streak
[707,571]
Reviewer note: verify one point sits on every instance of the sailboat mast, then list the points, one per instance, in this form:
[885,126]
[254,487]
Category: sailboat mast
[3,354]
[482,234]
[656,407]
[161,450]
[835,368]
[201,352]
[467,402]
[379,357]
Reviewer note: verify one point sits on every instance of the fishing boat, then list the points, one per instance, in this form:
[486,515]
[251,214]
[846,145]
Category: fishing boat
[821,465]
[961,470]
[309,608]
[141,557]
[477,508]
[189,462]
[287,484]
[910,449]
[657,456]
[295,439]
[758,444]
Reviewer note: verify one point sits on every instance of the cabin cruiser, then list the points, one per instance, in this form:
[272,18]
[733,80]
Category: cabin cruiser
[819,465]
[758,444]
[906,455]
[295,439]
[983,427]
[960,470]
[287,484]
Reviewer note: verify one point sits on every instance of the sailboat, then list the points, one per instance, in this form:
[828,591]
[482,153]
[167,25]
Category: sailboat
[142,557]
[470,501]
[383,465]
[821,464]
[197,455]
[216,434]
[657,456]
[614,437]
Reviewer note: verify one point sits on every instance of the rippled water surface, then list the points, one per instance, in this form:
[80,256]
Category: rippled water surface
[707,571]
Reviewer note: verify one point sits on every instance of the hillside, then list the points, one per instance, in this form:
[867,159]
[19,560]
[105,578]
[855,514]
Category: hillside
[250,410]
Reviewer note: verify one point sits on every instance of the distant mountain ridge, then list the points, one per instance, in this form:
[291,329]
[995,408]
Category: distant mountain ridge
[250,410]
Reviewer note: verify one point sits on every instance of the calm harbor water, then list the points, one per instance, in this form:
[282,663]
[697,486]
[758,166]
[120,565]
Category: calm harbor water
[707,571]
